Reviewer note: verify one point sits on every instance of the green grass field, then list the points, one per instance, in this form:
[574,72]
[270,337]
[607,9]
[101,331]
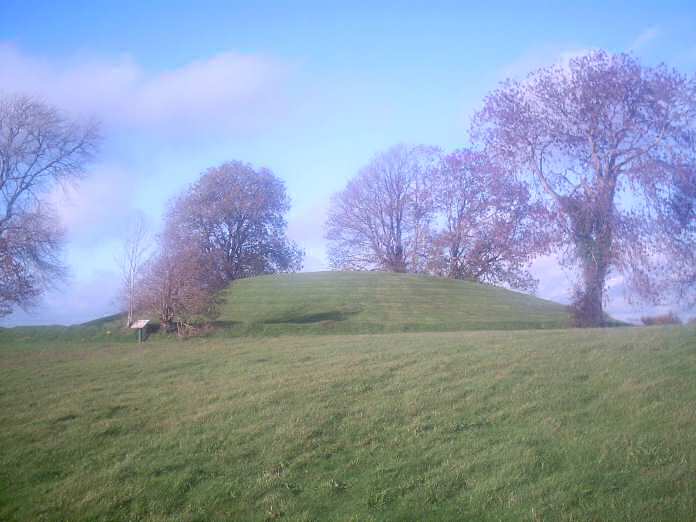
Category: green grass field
[555,424]
[374,302]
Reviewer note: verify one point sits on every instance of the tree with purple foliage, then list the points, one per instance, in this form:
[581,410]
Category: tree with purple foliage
[489,230]
[236,216]
[411,209]
[228,225]
[610,146]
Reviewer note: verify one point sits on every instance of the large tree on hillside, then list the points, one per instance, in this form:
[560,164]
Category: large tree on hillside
[611,146]
[381,219]
[228,225]
[235,216]
[39,148]
[488,230]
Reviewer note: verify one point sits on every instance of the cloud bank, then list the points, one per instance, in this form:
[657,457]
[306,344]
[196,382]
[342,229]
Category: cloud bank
[226,92]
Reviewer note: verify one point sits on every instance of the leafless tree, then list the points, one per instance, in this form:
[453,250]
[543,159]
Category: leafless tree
[39,148]
[134,254]
[608,143]
[381,219]
[175,285]
[488,230]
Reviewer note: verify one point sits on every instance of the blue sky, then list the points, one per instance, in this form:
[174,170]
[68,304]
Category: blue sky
[310,90]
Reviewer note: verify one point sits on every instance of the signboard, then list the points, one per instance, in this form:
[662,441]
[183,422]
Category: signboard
[140,323]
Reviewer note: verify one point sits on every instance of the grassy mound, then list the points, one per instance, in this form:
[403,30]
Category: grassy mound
[489,426]
[375,302]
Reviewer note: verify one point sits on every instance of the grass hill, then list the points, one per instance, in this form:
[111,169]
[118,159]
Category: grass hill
[377,302]
[341,303]
[556,424]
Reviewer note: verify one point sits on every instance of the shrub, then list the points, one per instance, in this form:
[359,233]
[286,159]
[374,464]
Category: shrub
[668,318]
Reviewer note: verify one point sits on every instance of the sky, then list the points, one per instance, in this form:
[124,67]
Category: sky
[311,90]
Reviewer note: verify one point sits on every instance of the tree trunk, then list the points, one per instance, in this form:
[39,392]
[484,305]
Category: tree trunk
[396,262]
[592,225]
[130,310]
[589,310]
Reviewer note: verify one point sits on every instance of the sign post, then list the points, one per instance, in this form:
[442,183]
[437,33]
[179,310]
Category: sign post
[140,325]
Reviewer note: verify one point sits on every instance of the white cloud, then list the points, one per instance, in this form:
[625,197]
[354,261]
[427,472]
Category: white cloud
[549,54]
[644,38]
[225,94]
[96,208]
[229,91]
[538,57]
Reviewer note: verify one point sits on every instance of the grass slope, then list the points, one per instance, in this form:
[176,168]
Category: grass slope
[111,328]
[526,425]
[373,302]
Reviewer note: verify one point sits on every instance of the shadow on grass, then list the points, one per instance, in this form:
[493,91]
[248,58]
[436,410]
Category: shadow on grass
[226,325]
[333,315]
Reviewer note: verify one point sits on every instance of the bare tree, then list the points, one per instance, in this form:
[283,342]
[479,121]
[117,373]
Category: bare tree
[489,230]
[39,148]
[606,141]
[131,260]
[176,286]
[381,219]
[235,215]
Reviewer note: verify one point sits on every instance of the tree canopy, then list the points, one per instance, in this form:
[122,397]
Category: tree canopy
[236,215]
[413,209]
[228,225]
[487,229]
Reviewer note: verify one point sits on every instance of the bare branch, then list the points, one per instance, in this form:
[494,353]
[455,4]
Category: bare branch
[39,148]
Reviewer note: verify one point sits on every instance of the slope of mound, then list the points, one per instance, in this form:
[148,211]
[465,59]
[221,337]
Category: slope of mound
[373,302]
[110,328]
